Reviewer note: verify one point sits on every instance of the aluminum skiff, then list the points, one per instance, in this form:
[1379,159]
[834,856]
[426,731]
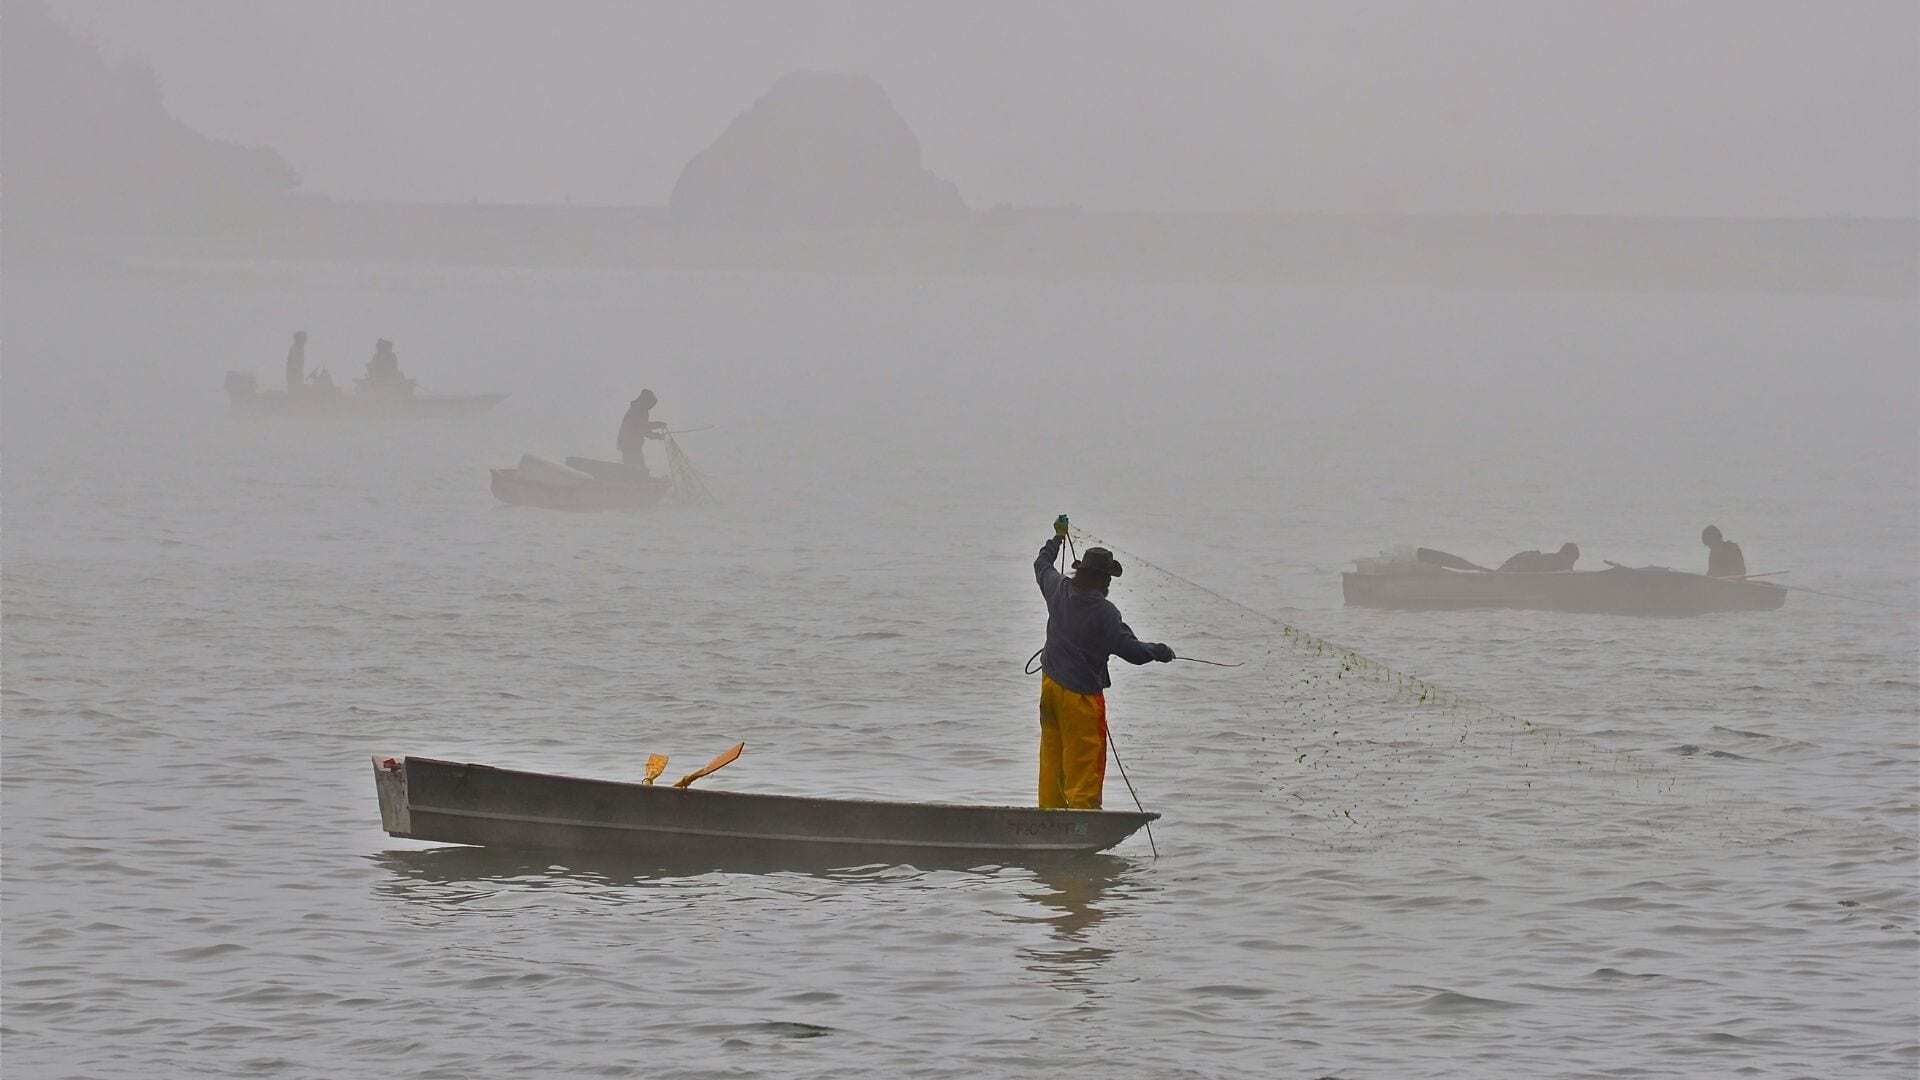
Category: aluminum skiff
[1618,590]
[463,803]
[516,488]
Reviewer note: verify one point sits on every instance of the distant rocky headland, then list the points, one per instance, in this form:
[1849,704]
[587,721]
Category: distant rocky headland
[820,149]
[88,147]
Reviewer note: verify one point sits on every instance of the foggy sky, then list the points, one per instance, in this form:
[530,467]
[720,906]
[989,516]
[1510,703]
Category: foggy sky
[1724,108]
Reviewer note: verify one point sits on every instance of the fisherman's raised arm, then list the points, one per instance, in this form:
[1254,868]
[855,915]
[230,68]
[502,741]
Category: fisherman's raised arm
[1124,645]
[1043,570]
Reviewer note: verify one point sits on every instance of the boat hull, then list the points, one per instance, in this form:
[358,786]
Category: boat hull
[454,802]
[365,406]
[515,487]
[1615,591]
[611,471]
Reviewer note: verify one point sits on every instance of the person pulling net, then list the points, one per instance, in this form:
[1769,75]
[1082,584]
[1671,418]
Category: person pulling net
[637,428]
[1084,629]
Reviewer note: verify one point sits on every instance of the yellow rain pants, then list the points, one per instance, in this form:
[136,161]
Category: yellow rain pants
[1073,747]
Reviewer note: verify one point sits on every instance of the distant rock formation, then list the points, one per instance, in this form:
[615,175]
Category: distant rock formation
[819,149]
[89,147]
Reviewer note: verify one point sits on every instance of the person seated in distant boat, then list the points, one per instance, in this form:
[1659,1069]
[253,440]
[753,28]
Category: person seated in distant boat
[636,428]
[297,364]
[1723,556]
[1538,562]
[242,384]
[383,371]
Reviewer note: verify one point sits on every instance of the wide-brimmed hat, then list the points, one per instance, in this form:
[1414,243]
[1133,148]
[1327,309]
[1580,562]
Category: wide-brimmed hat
[1097,561]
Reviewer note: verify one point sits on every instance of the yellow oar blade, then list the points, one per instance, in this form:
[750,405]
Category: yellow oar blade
[656,764]
[712,766]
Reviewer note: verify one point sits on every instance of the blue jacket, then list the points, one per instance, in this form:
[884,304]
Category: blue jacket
[1083,629]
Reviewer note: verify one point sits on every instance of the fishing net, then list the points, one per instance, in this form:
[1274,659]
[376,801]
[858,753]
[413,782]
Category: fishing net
[1350,752]
[690,485]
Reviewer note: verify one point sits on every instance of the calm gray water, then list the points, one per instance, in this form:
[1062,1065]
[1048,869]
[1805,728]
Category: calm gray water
[1638,848]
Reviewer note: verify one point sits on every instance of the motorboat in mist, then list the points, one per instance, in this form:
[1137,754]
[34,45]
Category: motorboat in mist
[326,401]
[465,803]
[1429,580]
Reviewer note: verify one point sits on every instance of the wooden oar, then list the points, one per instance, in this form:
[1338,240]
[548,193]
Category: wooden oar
[656,764]
[715,765]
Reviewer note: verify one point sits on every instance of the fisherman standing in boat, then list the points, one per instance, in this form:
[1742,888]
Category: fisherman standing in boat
[1083,630]
[297,364]
[636,428]
[1723,556]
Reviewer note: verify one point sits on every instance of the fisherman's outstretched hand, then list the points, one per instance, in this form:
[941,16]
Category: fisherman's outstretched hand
[1060,526]
[1163,653]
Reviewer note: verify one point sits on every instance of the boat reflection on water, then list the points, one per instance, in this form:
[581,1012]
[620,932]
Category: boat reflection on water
[1071,893]
[1079,895]
[454,864]
[457,874]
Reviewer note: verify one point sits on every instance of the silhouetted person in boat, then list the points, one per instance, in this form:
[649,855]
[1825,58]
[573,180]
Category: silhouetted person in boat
[1537,562]
[1723,556]
[1083,630]
[297,364]
[383,371]
[637,428]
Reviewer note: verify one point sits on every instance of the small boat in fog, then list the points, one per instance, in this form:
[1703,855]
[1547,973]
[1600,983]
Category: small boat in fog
[325,401]
[585,483]
[463,803]
[1447,583]
[580,484]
